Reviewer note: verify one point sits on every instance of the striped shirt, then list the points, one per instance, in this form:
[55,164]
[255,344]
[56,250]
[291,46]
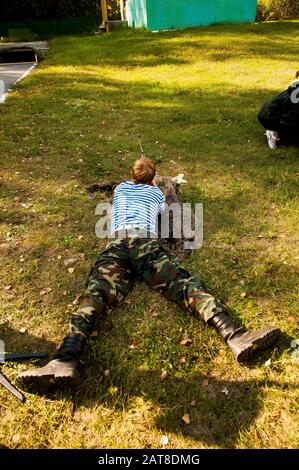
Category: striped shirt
[136,205]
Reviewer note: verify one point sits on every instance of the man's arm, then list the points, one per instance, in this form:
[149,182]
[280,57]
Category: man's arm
[106,186]
[168,186]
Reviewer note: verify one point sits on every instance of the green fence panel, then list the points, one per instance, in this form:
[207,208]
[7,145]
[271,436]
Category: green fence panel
[167,14]
[137,13]
[235,11]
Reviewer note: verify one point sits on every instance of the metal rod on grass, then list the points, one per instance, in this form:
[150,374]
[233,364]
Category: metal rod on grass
[140,145]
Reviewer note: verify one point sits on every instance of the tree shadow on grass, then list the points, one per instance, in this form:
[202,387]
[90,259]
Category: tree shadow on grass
[219,409]
[17,342]
[130,49]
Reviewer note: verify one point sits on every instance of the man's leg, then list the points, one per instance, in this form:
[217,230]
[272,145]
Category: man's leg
[267,120]
[110,281]
[163,272]
[270,122]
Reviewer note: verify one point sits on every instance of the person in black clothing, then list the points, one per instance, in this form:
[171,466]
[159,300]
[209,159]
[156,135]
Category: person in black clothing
[280,116]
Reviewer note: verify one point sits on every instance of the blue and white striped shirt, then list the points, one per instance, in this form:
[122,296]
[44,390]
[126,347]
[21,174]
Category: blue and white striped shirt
[136,205]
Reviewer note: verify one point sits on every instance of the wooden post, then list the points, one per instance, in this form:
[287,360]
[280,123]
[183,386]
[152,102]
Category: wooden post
[105,14]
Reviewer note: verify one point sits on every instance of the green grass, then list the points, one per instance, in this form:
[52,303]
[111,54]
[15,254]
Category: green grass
[194,96]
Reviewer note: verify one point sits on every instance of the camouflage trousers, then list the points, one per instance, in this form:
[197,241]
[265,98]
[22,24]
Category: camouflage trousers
[124,261]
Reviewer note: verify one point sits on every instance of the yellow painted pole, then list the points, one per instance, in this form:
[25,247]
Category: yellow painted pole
[105,14]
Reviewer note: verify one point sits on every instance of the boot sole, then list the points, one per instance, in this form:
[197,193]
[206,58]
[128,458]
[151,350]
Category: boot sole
[259,344]
[44,383]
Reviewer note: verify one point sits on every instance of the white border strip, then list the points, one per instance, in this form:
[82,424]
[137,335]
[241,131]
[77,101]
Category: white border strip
[3,97]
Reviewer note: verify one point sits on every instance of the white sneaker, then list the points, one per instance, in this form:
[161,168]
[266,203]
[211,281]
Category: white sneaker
[272,139]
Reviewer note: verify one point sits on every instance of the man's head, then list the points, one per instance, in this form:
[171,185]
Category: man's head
[144,171]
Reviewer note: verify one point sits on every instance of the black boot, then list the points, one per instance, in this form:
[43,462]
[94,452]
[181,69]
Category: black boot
[62,370]
[243,344]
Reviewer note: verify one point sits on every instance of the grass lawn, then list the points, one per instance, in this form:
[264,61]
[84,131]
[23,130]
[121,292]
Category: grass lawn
[194,96]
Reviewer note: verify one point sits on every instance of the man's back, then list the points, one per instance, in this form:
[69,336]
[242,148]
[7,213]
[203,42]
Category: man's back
[136,205]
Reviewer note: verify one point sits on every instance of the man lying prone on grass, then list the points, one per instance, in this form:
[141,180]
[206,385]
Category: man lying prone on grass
[136,252]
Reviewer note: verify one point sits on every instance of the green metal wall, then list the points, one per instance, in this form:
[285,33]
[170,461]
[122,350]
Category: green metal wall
[167,14]
[137,13]
[236,11]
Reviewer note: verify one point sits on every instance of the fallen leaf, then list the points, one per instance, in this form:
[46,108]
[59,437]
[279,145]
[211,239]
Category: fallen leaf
[106,372]
[164,375]
[193,403]
[186,418]
[179,179]
[134,343]
[26,205]
[7,287]
[218,359]
[94,334]
[70,261]
[295,343]
[45,291]
[183,360]
[16,438]
[186,342]
[23,330]
[243,294]
[268,362]
[205,382]
[80,237]
[164,441]
[155,314]
[71,270]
